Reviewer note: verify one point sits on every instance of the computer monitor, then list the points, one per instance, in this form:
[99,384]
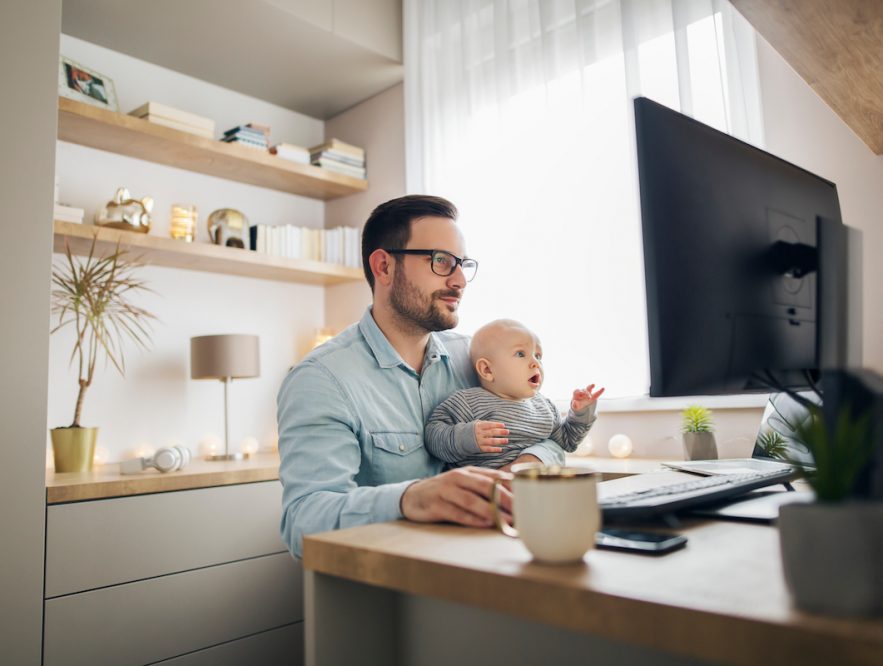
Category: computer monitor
[745,261]
[752,279]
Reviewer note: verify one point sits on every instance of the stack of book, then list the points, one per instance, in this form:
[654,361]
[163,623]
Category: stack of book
[335,155]
[340,245]
[167,116]
[253,135]
[64,213]
[288,151]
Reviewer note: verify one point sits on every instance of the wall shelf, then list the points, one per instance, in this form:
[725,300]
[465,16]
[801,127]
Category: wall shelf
[159,251]
[126,135]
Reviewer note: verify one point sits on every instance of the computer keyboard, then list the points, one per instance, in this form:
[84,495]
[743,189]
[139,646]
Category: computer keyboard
[669,498]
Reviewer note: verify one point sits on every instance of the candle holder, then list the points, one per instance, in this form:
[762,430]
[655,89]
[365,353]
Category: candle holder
[183,225]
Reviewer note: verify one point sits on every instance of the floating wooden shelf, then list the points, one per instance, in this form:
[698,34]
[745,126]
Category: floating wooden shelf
[159,251]
[118,133]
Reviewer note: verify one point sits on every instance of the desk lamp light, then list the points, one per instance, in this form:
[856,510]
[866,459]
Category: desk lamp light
[225,357]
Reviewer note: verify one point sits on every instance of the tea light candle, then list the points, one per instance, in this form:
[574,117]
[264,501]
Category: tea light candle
[249,445]
[620,446]
[210,445]
[102,456]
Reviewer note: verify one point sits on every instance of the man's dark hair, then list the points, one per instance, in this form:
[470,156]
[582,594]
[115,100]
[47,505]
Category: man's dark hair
[389,226]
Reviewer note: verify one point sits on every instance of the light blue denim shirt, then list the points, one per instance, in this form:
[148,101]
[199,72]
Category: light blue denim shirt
[351,418]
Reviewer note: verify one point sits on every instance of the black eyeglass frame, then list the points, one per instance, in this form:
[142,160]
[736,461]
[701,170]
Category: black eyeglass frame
[463,262]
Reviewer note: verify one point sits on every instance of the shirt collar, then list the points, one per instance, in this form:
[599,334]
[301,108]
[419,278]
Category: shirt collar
[385,354]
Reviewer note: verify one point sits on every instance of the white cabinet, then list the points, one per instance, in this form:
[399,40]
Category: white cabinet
[198,575]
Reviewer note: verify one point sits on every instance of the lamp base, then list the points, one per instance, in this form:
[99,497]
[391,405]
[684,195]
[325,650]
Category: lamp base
[229,456]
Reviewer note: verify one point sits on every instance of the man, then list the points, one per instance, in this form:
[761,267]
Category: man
[351,414]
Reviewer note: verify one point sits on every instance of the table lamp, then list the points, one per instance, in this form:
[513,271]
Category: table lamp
[225,357]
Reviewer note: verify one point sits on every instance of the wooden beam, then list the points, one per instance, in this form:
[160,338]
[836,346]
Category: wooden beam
[837,47]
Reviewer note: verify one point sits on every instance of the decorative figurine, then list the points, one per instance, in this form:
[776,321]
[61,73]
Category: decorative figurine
[228,227]
[124,212]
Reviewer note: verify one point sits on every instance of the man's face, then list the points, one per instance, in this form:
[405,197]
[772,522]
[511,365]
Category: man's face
[426,300]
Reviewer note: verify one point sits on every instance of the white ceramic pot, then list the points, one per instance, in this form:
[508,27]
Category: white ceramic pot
[700,446]
[832,555]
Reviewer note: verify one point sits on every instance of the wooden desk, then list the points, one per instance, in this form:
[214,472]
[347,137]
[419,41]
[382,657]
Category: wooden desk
[430,594]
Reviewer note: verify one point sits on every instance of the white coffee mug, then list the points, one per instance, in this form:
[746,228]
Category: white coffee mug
[555,510]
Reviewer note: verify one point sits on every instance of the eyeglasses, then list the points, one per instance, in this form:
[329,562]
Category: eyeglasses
[444,263]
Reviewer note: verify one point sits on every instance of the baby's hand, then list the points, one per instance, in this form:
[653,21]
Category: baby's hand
[490,436]
[582,398]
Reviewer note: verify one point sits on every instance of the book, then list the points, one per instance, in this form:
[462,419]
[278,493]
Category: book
[183,127]
[288,151]
[260,127]
[163,111]
[339,157]
[339,146]
[340,167]
[245,142]
[245,130]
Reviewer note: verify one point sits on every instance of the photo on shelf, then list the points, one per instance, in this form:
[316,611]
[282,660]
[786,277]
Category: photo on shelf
[85,85]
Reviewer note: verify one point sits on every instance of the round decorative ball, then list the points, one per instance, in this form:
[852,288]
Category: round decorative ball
[620,446]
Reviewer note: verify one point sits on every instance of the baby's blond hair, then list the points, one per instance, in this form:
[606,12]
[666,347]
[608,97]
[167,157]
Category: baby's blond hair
[487,337]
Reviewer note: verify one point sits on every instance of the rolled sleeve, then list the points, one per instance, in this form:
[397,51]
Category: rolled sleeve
[319,458]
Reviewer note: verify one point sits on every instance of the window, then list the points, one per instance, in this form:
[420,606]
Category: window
[520,113]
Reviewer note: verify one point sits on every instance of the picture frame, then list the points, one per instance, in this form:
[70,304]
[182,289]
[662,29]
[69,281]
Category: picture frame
[82,84]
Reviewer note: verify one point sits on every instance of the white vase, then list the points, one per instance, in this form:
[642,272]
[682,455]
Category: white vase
[831,555]
[700,446]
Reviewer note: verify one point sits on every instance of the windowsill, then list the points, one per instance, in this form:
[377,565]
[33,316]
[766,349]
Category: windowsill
[647,404]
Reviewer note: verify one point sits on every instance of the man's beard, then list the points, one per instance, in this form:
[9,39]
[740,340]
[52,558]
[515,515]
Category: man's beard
[418,311]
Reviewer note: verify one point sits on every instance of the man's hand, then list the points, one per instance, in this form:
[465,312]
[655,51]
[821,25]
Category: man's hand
[582,398]
[490,436]
[459,496]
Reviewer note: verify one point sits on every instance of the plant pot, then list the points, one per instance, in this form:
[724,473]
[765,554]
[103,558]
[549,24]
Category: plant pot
[700,446]
[831,556]
[73,448]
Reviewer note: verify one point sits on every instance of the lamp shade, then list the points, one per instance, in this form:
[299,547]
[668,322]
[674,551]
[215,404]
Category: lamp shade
[222,356]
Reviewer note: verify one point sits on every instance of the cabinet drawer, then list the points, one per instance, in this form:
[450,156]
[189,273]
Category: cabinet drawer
[279,647]
[107,542]
[164,617]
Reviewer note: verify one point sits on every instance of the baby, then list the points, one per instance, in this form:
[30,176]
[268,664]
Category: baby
[506,414]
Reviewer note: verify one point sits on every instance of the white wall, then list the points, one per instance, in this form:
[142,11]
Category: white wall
[802,129]
[378,125]
[29,44]
[157,403]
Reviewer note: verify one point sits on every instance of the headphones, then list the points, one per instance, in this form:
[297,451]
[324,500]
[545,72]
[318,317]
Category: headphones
[169,459]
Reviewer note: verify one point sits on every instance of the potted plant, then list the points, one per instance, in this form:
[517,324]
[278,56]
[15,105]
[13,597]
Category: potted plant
[697,428]
[92,296]
[832,547]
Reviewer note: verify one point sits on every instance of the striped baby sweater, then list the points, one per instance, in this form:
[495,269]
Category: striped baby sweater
[450,431]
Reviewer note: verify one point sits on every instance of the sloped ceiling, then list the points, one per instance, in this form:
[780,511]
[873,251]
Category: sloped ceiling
[837,47]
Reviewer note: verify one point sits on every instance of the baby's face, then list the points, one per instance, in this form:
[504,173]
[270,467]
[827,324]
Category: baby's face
[516,365]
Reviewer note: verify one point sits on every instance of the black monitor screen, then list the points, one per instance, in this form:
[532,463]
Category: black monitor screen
[726,313]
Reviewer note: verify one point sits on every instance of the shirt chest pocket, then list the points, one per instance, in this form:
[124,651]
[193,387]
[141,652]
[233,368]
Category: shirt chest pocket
[397,443]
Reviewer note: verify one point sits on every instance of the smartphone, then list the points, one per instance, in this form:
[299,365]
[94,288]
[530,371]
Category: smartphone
[649,543]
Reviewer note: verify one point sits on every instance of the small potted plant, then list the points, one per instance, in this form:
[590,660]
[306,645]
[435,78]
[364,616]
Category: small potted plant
[832,547]
[697,428]
[92,296]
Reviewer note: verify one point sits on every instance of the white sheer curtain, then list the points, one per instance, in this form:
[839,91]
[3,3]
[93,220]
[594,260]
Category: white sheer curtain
[520,112]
